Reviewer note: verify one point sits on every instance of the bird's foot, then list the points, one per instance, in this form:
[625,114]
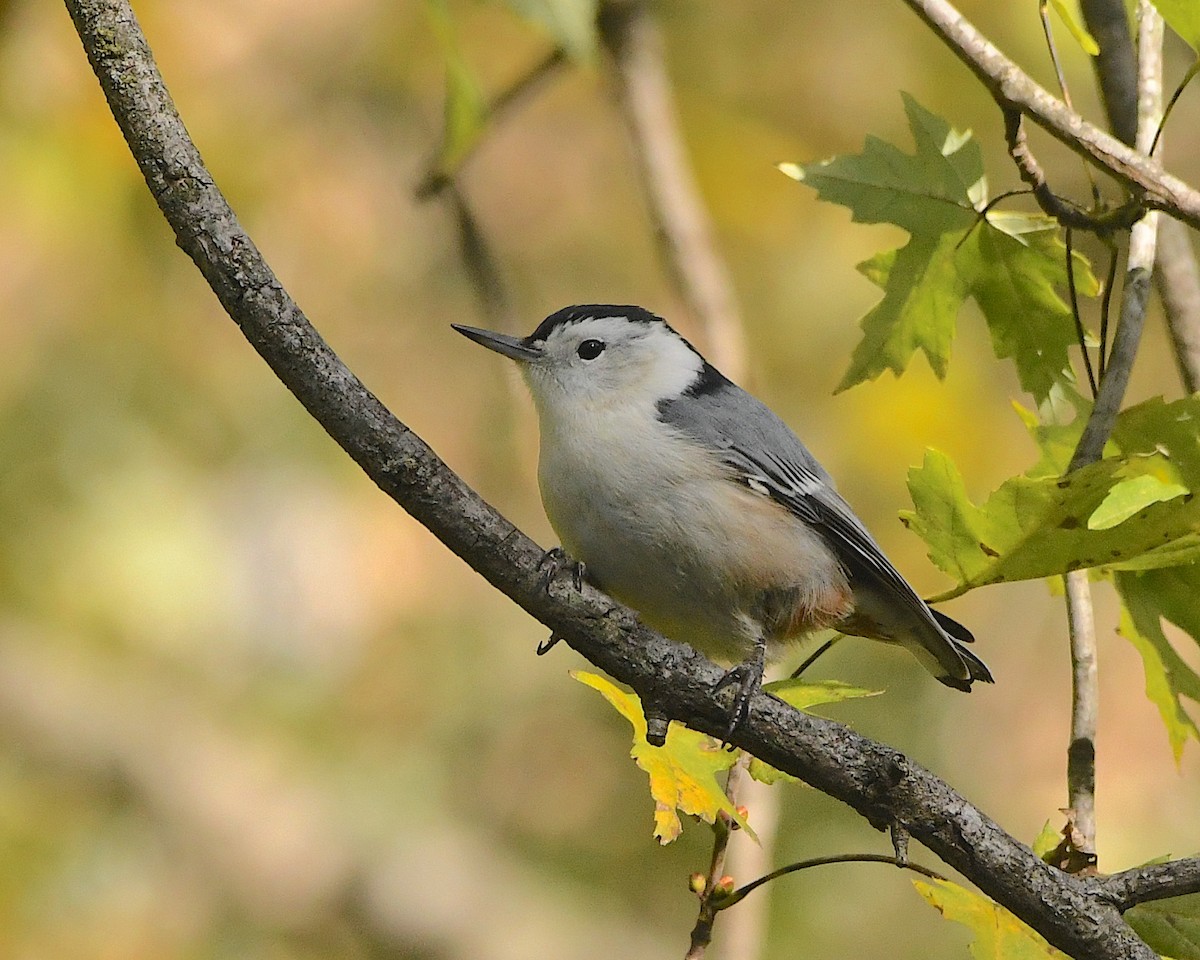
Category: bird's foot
[555,562]
[551,565]
[746,680]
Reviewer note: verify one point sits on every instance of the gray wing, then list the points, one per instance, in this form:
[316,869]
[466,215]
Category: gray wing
[768,456]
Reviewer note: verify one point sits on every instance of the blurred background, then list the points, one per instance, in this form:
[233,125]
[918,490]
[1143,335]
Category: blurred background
[248,708]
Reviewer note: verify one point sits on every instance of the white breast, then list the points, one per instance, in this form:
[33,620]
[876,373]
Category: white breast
[662,526]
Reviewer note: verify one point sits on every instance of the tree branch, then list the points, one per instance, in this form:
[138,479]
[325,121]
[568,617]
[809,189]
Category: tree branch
[633,38]
[1085,692]
[1013,89]
[1176,272]
[1157,881]
[881,784]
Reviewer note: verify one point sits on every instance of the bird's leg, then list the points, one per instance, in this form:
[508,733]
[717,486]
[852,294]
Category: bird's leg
[746,679]
[550,566]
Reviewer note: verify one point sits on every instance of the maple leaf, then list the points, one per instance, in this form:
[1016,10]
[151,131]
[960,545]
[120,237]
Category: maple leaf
[683,772]
[999,935]
[1010,264]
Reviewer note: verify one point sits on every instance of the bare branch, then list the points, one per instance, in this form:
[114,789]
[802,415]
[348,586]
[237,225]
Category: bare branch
[1064,211]
[1116,65]
[1158,881]
[741,892]
[436,179]
[1013,89]
[1085,711]
[1085,692]
[1178,279]
[632,36]
[881,784]
[1176,272]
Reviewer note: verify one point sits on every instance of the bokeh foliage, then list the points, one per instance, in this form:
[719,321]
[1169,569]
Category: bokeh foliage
[246,707]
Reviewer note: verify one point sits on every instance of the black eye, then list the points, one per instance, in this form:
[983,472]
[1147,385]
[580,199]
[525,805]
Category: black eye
[590,349]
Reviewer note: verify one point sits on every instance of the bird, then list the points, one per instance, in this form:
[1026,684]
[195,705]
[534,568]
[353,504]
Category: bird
[689,500]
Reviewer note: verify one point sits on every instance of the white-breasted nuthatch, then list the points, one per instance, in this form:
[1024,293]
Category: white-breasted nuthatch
[689,500]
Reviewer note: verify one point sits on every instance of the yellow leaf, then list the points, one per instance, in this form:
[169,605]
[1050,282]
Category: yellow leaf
[998,934]
[683,772]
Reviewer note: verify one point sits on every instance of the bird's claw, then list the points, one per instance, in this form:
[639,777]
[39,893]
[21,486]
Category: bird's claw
[554,562]
[547,645]
[746,679]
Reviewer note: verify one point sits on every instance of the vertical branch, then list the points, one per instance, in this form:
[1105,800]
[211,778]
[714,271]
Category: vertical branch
[1085,710]
[1178,279]
[634,40]
[1177,275]
[1081,767]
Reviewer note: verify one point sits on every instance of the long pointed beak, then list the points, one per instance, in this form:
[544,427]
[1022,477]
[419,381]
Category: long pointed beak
[512,347]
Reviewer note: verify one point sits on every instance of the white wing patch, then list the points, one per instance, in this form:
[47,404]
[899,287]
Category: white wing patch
[758,485]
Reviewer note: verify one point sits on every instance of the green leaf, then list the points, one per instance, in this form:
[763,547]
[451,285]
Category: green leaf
[806,694]
[803,695]
[1034,527]
[931,191]
[1134,510]
[999,935]
[1155,426]
[1076,29]
[683,772]
[1183,16]
[1147,596]
[465,111]
[1047,840]
[1171,927]
[571,23]
[922,297]
[1010,264]
[1018,262]
[1130,496]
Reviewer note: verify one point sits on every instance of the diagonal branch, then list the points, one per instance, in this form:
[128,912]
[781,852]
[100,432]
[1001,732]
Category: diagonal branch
[1013,89]
[881,784]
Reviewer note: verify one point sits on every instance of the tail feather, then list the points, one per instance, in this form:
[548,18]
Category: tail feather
[952,627]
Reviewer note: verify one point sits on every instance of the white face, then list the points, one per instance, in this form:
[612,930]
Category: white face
[603,362]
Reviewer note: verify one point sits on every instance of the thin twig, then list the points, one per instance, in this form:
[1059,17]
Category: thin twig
[816,655]
[436,179]
[1187,78]
[1013,89]
[480,260]
[741,892]
[711,894]
[1063,210]
[1110,284]
[1080,334]
[1048,32]
[632,36]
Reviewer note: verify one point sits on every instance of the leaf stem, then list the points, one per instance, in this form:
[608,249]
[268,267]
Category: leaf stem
[1080,334]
